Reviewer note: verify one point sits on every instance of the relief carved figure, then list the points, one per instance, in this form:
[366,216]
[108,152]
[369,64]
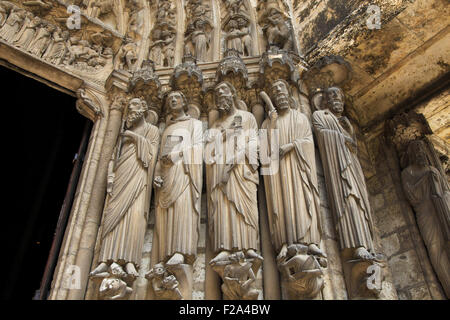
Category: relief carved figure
[114,284]
[101,7]
[428,192]
[42,40]
[291,183]
[162,46]
[178,179]
[277,29]
[162,49]
[13,24]
[127,55]
[127,203]
[26,36]
[232,174]
[5,9]
[346,187]
[165,285]
[199,27]
[57,50]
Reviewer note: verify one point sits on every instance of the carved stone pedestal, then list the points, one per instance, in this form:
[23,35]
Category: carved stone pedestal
[171,282]
[301,274]
[114,284]
[363,278]
[238,274]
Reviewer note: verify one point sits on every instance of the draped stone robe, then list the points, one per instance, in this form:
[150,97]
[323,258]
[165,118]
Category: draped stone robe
[178,201]
[233,208]
[127,208]
[291,189]
[345,183]
[429,195]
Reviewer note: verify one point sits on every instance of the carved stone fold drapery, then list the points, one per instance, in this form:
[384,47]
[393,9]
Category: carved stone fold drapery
[425,186]
[232,180]
[348,195]
[292,194]
[178,181]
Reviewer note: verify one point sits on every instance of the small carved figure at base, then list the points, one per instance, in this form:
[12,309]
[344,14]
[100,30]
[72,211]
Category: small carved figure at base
[164,284]
[116,283]
[238,272]
[301,272]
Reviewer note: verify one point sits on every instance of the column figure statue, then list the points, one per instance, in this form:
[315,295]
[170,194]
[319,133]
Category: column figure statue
[428,192]
[178,179]
[128,194]
[292,192]
[346,190]
[232,179]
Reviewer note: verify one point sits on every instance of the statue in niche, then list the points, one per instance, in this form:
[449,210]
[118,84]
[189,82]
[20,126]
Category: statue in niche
[13,24]
[57,50]
[41,40]
[165,285]
[197,35]
[128,193]
[233,36]
[428,192]
[162,50]
[25,38]
[278,30]
[178,179]
[291,183]
[346,186]
[127,55]
[232,174]
[247,47]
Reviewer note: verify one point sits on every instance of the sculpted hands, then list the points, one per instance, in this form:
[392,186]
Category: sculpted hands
[285,149]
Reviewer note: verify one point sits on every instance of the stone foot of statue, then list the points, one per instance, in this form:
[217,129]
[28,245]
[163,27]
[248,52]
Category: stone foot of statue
[131,269]
[102,267]
[176,259]
[315,250]
[251,254]
[363,254]
[220,257]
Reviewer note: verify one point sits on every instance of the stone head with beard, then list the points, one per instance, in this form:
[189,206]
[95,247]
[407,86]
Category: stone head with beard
[335,100]
[136,112]
[226,97]
[281,95]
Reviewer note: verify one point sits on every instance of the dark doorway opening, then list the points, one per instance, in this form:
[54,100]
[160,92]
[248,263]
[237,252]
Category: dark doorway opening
[42,133]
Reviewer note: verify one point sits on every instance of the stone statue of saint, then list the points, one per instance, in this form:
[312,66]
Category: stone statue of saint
[291,188]
[129,188]
[344,177]
[232,178]
[428,192]
[178,179]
